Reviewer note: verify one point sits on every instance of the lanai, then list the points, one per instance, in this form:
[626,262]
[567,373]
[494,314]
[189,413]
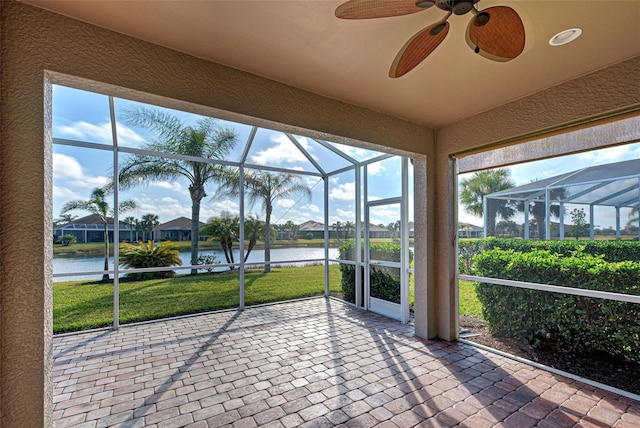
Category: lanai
[614,185]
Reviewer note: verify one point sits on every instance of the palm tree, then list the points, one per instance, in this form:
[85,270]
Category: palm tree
[538,210]
[133,223]
[337,226]
[633,217]
[64,219]
[225,229]
[148,223]
[474,189]
[348,227]
[253,230]
[266,187]
[290,228]
[393,227]
[99,206]
[204,140]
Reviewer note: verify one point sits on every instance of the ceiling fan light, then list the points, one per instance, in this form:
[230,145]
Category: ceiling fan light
[425,4]
[482,19]
[438,29]
[566,36]
[461,7]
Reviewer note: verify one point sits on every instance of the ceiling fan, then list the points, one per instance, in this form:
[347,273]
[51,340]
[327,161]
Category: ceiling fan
[496,33]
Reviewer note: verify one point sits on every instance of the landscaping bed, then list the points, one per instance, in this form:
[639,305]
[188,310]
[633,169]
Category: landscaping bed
[613,371]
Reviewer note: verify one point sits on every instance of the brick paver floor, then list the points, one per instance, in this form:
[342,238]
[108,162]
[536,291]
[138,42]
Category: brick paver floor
[311,363]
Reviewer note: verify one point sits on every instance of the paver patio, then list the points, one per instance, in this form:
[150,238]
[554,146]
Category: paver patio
[315,362]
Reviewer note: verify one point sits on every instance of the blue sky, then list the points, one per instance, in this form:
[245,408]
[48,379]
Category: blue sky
[84,116]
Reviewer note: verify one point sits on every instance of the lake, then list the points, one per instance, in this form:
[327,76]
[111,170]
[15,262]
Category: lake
[62,264]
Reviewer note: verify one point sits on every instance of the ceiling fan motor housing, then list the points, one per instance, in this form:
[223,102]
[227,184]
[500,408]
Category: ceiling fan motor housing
[457,7]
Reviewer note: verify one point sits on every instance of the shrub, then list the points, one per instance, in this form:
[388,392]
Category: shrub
[67,240]
[209,259]
[576,324]
[146,255]
[612,251]
[385,281]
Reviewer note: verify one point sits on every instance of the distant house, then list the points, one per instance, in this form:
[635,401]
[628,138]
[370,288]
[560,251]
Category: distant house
[379,232]
[468,230]
[91,229]
[178,229]
[313,229]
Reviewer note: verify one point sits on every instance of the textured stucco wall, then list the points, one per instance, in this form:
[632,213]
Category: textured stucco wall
[34,41]
[579,101]
[25,230]
[36,45]
[615,88]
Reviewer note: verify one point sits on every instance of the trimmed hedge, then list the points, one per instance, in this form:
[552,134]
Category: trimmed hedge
[612,251]
[385,281]
[575,324]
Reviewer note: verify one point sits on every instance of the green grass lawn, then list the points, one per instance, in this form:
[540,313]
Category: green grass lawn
[469,303]
[82,305]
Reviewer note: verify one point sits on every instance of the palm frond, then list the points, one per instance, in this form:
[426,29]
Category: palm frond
[165,125]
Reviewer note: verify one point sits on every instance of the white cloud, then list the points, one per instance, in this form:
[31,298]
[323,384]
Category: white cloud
[282,153]
[69,169]
[99,133]
[384,216]
[225,205]
[611,154]
[313,208]
[169,200]
[65,192]
[344,192]
[66,166]
[166,208]
[285,203]
[174,186]
[375,168]
[354,152]
[345,215]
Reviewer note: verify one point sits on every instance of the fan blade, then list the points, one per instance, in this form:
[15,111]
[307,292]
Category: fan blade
[367,9]
[501,38]
[417,49]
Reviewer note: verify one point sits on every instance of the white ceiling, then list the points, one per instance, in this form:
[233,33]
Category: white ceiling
[302,43]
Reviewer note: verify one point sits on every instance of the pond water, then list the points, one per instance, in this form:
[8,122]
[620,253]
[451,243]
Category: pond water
[62,264]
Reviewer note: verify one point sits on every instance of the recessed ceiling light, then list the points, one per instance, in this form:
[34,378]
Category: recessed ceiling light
[566,36]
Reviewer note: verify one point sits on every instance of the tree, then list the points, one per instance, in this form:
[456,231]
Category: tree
[147,223]
[253,230]
[393,227]
[64,219]
[579,225]
[633,218]
[265,187]
[290,228]
[349,226]
[67,240]
[96,204]
[133,223]
[538,210]
[225,230]
[337,226]
[474,189]
[148,255]
[205,140]
[508,228]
